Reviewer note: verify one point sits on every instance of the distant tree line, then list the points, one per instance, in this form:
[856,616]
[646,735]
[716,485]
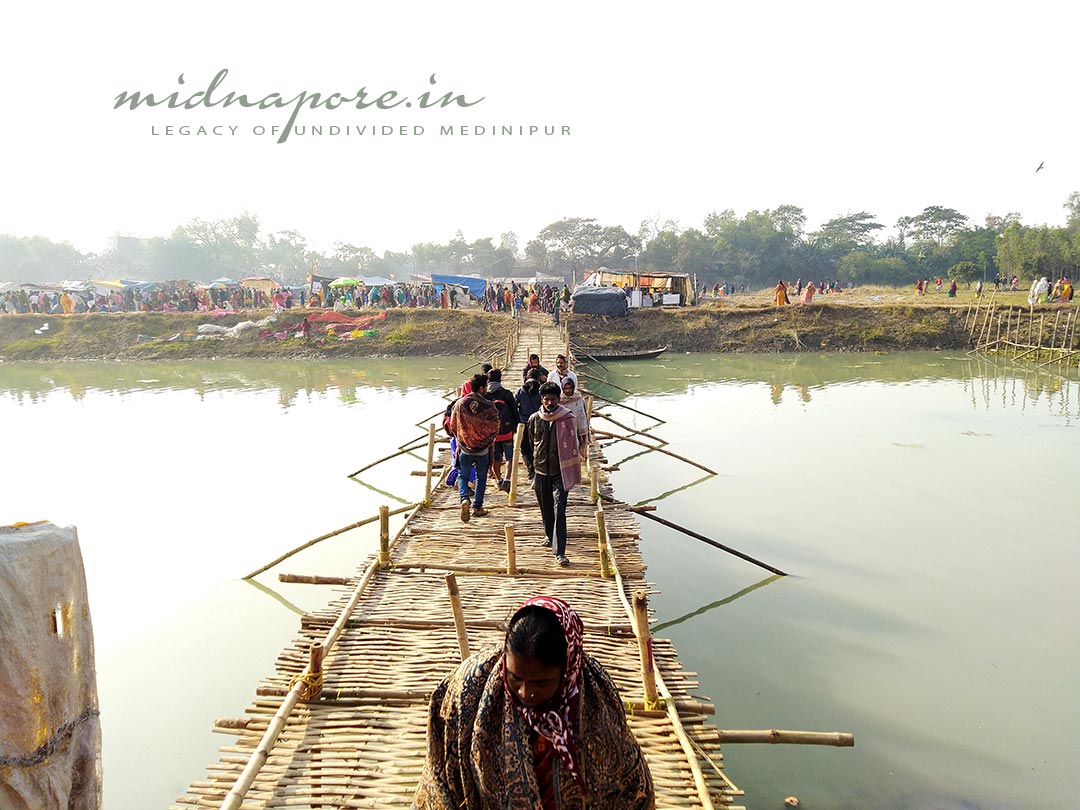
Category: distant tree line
[750,251]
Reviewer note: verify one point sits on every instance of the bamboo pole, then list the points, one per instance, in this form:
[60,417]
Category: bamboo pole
[430,463]
[1039,353]
[998,339]
[519,435]
[644,638]
[658,450]
[511,555]
[313,579]
[594,490]
[602,415]
[400,452]
[711,542]
[384,536]
[656,419]
[459,617]
[605,382]
[314,686]
[777,736]
[327,536]
[602,541]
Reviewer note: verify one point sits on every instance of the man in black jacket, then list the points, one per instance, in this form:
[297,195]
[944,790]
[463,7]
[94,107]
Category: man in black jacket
[503,449]
[527,399]
[551,491]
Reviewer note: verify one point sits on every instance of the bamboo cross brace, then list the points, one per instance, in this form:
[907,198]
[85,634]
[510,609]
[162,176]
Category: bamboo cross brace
[655,448]
[400,452]
[327,536]
[603,415]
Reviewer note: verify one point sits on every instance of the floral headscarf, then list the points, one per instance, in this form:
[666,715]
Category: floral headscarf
[555,723]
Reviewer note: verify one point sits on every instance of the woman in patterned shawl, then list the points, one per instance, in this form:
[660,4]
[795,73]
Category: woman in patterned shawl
[537,725]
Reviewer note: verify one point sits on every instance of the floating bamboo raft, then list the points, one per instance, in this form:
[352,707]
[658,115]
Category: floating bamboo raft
[1047,337]
[341,722]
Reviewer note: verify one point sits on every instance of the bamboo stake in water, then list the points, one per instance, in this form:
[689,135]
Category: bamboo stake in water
[459,617]
[430,463]
[511,556]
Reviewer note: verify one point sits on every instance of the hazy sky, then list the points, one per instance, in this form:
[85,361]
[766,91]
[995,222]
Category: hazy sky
[674,110]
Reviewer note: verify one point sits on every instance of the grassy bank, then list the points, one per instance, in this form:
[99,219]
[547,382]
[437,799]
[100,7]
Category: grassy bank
[173,335]
[761,328]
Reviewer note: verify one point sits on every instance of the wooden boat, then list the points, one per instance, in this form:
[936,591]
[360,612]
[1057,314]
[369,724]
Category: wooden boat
[605,354]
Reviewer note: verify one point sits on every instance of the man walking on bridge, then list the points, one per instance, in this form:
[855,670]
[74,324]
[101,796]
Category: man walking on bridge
[552,433]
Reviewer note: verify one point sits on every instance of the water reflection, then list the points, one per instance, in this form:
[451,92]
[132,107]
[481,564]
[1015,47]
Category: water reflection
[986,379]
[727,600]
[290,379]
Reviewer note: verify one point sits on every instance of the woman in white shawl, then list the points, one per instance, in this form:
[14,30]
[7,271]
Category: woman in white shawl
[1039,289]
[572,401]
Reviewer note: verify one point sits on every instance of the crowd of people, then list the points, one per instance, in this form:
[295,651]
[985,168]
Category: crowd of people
[782,294]
[482,423]
[164,297]
[194,297]
[536,721]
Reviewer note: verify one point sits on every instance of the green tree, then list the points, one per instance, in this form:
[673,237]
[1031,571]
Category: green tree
[582,244]
[937,224]
[965,272]
[660,253]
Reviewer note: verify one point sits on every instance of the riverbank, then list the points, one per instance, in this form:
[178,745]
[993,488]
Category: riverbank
[710,327]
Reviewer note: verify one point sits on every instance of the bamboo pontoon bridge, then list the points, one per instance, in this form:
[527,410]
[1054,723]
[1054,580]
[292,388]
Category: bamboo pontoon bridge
[341,723]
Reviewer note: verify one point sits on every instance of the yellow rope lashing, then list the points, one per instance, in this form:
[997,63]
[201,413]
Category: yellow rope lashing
[312,684]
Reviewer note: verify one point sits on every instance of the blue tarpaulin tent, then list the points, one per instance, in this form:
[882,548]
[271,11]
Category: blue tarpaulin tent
[475,286]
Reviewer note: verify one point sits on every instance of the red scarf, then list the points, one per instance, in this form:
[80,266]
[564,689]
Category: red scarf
[555,723]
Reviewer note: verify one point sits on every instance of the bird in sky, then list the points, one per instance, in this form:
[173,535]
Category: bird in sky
[1040,167]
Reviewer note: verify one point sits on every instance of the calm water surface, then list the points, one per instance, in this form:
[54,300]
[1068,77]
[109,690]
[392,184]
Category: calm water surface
[924,505]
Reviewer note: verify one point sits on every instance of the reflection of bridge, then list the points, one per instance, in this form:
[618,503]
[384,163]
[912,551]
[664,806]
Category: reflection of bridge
[342,720]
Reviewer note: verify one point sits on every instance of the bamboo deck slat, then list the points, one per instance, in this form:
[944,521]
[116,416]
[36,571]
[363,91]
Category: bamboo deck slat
[361,743]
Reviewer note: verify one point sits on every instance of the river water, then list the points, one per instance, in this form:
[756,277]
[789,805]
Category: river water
[924,506]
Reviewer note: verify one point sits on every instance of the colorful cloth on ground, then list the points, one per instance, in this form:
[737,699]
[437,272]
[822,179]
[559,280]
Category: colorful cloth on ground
[474,420]
[566,436]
